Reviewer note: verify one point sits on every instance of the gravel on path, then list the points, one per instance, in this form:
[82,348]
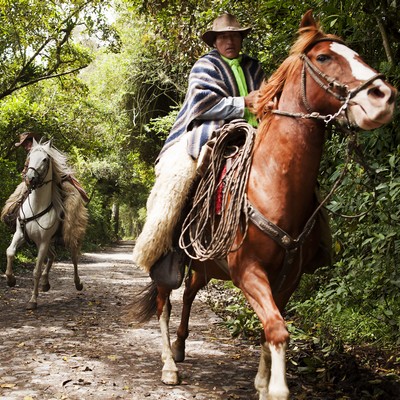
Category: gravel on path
[78,345]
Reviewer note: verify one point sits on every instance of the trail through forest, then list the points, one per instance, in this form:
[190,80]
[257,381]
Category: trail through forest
[80,346]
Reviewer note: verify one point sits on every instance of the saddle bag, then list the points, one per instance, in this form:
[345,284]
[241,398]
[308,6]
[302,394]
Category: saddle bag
[169,270]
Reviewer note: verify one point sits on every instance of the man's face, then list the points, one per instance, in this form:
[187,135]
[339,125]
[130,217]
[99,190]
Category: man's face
[228,44]
[27,145]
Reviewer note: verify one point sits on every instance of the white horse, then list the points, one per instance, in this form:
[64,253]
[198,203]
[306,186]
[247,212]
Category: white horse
[52,209]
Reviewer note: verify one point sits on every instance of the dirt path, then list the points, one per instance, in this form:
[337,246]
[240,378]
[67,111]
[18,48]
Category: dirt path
[77,345]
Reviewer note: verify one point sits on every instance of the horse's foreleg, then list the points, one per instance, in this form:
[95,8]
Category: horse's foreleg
[77,281]
[263,376]
[169,374]
[193,284]
[278,372]
[16,242]
[45,275]
[255,286]
[43,250]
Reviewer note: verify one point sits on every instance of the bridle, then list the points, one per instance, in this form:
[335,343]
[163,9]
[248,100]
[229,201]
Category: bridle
[329,85]
[39,177]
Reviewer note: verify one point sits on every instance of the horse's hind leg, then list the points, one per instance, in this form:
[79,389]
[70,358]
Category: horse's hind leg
[194,282]
[45,276]
[77,281]
[16,242]
[169,374]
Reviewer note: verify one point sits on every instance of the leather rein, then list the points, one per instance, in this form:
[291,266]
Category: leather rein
[292,246]
[42,182]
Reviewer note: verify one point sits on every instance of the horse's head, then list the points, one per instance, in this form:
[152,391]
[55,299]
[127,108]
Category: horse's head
[359,95]
[336,84]
[39,165]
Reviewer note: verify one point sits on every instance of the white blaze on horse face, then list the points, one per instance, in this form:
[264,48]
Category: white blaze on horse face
[371,107]
[360,71]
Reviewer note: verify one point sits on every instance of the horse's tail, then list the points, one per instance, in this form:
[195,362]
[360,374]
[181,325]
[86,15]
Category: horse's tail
[145,304]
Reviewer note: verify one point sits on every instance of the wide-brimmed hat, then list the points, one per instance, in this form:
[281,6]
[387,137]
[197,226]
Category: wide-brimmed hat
[25,136]
[224,23]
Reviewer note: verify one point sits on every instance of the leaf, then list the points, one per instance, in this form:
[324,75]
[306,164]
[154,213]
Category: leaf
[7,385]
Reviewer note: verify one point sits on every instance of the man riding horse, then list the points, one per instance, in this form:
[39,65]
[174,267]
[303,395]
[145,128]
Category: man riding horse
[223,86]
[71,186]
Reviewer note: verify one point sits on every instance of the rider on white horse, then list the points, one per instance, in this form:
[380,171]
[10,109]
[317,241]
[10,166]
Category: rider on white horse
[10,210]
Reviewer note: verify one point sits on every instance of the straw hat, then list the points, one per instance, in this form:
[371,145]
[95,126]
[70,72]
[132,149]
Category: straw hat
[25,136]
[224,23]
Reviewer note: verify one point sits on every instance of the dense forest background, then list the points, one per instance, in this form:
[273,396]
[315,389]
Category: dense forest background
[105,79]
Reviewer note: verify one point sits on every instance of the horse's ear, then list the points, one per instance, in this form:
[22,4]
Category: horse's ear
[34,142]
[48,144]
[307,20]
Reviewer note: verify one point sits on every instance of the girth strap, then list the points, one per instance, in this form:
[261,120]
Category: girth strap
[290,245]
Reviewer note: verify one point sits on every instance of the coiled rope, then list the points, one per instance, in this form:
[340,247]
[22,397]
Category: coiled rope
[204,234]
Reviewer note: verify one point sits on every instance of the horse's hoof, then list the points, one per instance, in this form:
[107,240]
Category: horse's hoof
[79,286]
[11,281]
[46,287]
[31,306]
[170,378]
[178,352]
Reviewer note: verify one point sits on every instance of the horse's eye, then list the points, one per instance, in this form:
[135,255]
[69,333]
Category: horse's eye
[322,58]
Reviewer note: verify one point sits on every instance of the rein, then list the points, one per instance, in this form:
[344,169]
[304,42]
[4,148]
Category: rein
[24,221]
[41,183]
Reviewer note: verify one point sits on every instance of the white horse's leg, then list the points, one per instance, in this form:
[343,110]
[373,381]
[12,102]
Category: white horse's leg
[75,256]
[278,389]
[45,276]
[169,374]
[263,376]
[43,250]
[16,242]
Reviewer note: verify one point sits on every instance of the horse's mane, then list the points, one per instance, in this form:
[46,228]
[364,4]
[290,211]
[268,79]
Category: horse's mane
[61,170]
[271,89]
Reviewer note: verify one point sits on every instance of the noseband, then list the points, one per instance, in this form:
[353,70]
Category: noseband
[331,86]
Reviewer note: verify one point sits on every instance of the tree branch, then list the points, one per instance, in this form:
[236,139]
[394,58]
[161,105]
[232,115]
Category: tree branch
[385,41]
[8,92]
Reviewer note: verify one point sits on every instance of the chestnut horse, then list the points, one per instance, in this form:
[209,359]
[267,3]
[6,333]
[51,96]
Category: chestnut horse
[322,81]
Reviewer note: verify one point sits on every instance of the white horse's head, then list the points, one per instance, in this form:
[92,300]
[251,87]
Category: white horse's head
[39,168]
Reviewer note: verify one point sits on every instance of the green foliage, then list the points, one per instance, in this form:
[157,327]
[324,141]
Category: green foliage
[360,294]
[241,320]
[8,179]
[37,39]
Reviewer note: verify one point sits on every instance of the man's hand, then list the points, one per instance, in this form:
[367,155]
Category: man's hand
[250,101]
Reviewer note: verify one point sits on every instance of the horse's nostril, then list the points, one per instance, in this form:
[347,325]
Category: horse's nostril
[376,92]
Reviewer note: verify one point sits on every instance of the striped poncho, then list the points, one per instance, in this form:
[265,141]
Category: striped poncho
[210,80]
